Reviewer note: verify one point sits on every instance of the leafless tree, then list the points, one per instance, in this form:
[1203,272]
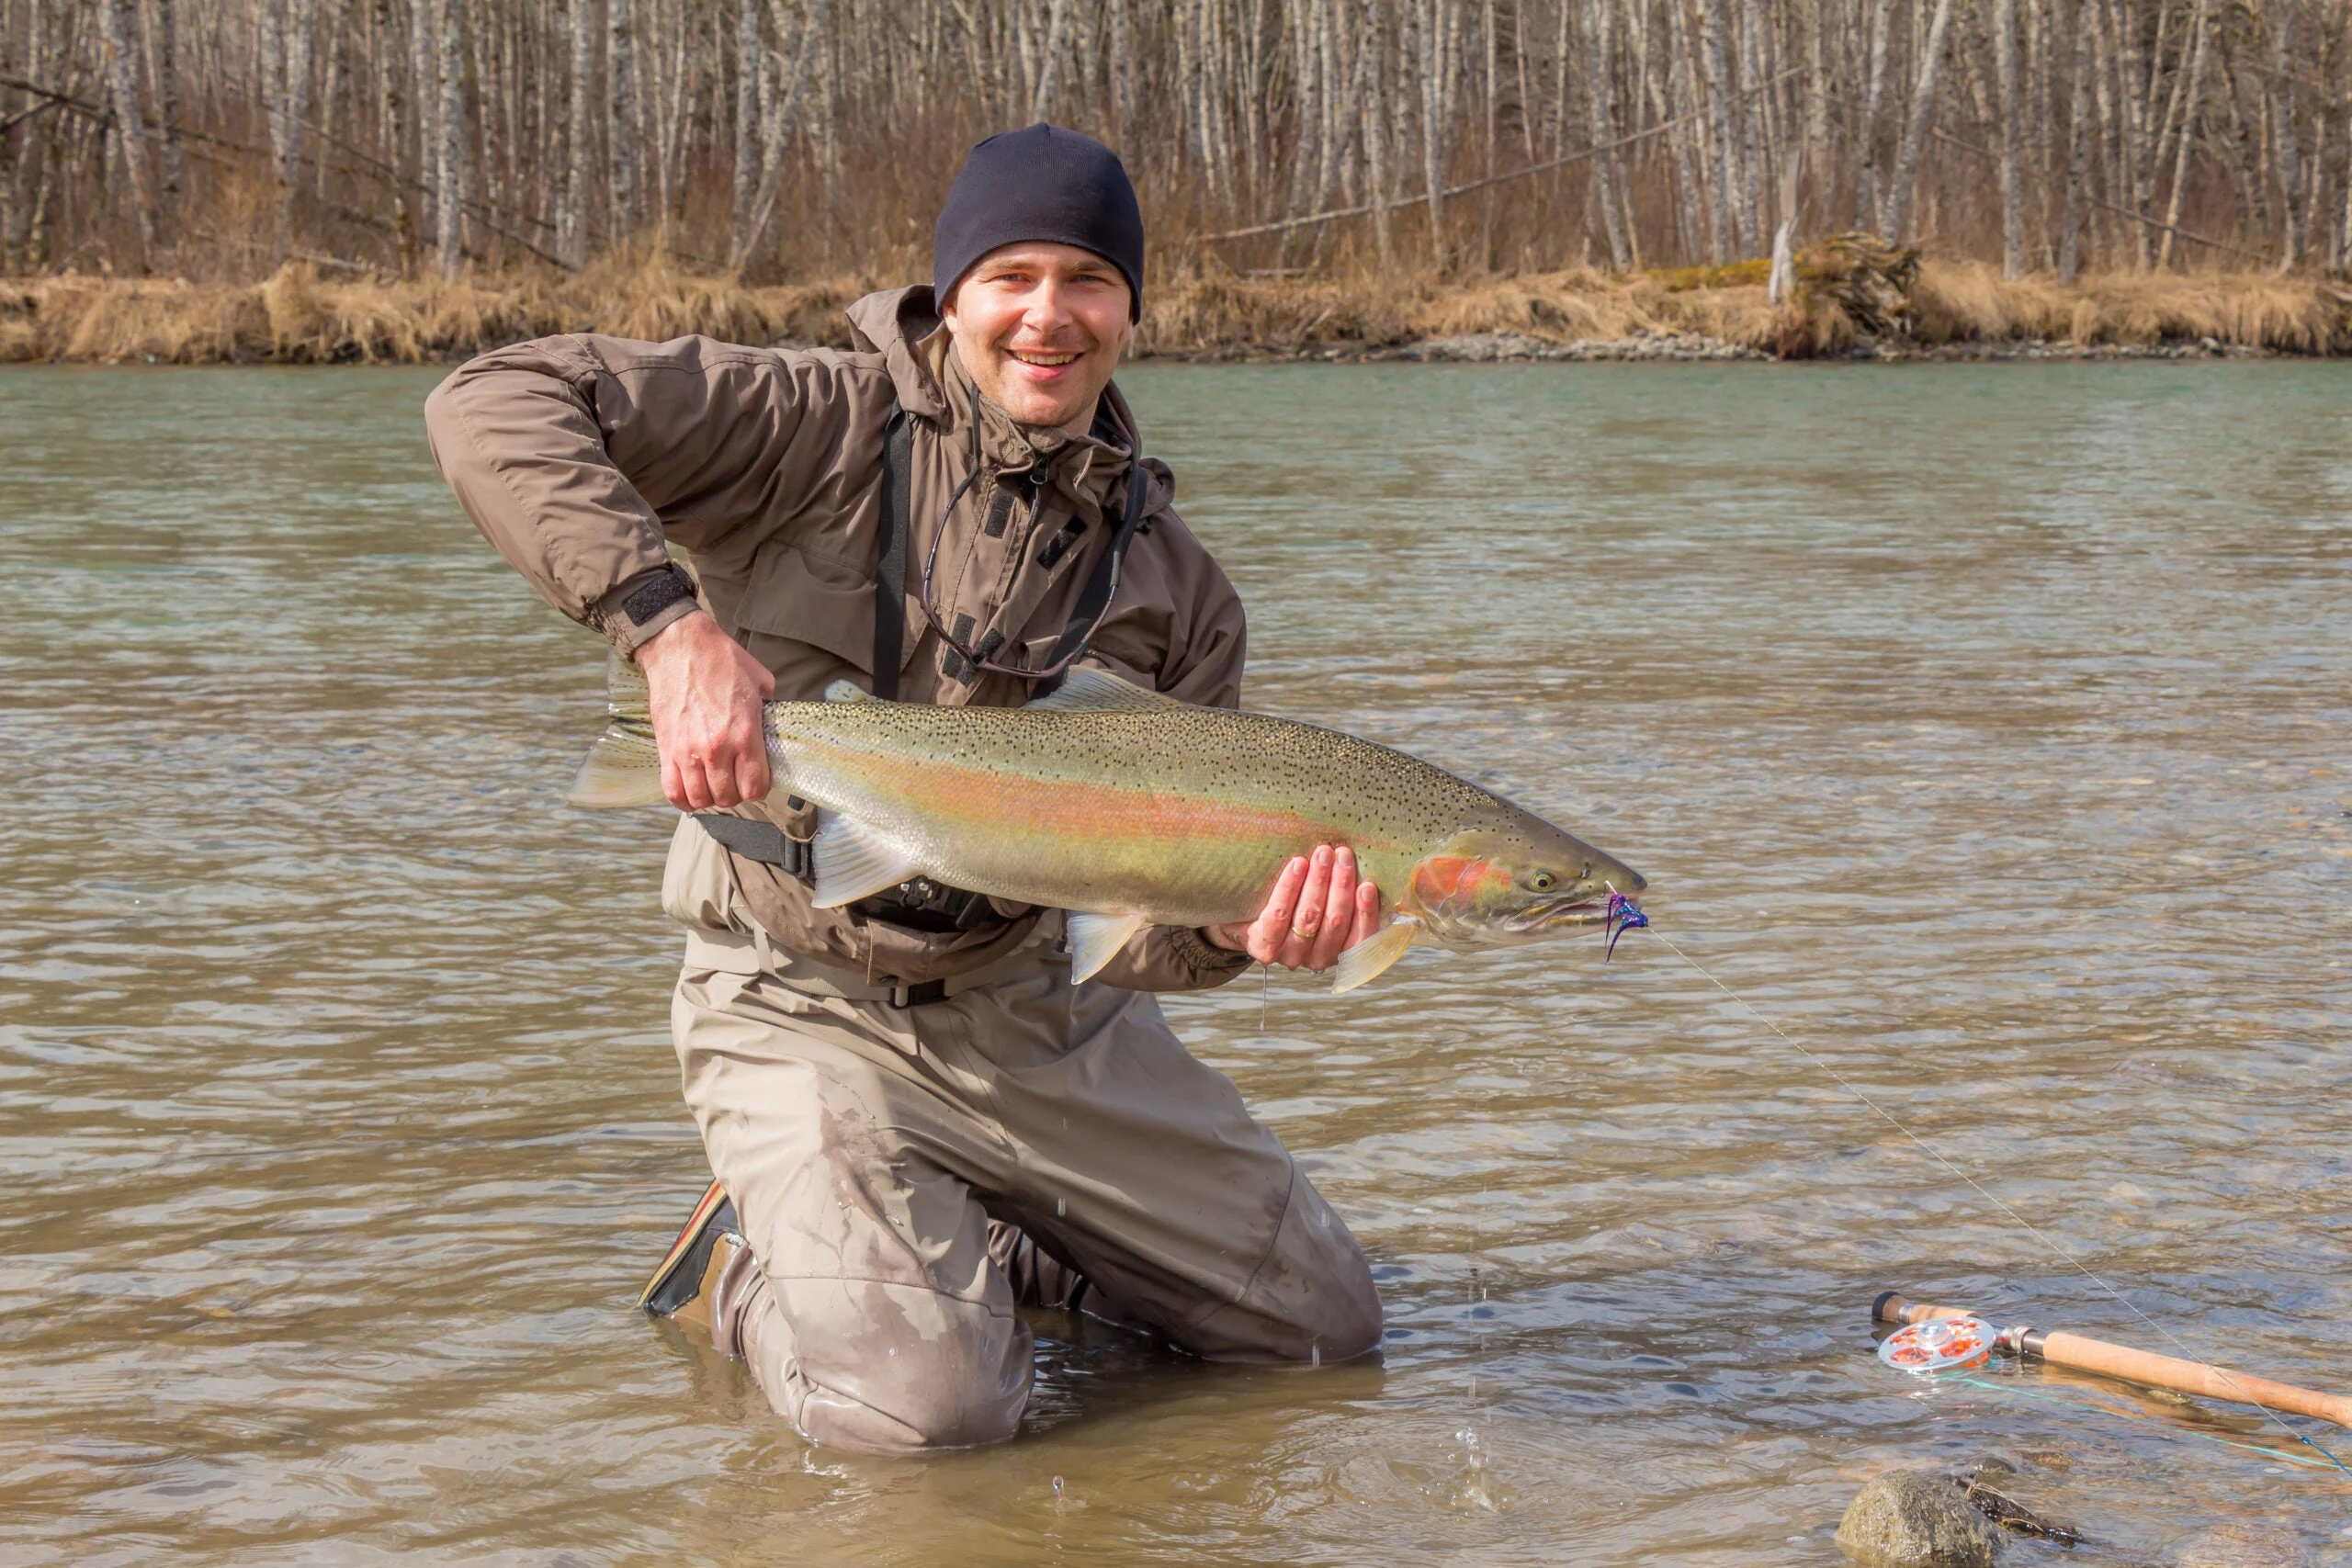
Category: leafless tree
[798,137]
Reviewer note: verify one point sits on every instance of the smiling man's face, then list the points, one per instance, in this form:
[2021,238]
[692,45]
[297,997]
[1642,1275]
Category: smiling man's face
[1039,328]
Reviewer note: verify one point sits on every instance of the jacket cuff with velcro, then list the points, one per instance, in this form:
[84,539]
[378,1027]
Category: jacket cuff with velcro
[631,615]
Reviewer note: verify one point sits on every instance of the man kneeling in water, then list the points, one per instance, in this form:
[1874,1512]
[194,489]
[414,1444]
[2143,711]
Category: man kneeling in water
[917,1123]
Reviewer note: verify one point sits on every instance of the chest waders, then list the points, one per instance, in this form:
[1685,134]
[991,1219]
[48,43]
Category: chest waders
[920,903]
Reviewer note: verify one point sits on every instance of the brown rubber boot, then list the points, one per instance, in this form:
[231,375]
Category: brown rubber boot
[681,1287]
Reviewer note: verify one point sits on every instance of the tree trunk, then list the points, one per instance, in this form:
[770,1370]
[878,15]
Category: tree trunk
[2005,54]
[2283,67]
[1375,130]
[783,105]
[168,97]
[621,142]
[571,226]
[450,172]
[750,56]
[1602,117]
[1866,196]
[1720,96]
[1915,125]
[1049,59]
[2203,33]
[120,19]
[302,31]
[2070,219]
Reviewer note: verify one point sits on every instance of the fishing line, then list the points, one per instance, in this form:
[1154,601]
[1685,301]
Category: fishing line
[2000,1386]
[1616,899]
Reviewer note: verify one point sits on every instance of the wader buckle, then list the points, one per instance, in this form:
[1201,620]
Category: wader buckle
[923,995]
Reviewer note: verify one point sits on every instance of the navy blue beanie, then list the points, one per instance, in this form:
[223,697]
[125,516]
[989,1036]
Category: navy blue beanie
[1043,183]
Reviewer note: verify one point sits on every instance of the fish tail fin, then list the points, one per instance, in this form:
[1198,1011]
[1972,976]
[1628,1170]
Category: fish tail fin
[624,767]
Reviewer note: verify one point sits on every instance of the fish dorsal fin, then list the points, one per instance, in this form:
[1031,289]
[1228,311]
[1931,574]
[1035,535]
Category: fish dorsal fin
[848,692]
[853,862]
[1095,939]
[1368,959]
[1089,690]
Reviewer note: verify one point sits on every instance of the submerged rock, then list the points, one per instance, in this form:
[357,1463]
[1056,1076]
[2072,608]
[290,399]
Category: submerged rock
[2242,1546]
[1916,1519]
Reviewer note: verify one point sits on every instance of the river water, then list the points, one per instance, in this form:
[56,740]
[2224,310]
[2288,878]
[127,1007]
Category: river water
[1986,729]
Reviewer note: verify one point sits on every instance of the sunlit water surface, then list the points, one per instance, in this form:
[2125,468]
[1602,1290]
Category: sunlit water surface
[1988,729]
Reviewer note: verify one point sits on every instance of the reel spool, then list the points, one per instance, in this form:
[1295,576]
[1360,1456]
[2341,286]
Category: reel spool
[1941,1345]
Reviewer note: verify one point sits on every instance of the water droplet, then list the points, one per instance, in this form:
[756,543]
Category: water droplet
[1058,1486]
[1061,1206]
[1315,1354]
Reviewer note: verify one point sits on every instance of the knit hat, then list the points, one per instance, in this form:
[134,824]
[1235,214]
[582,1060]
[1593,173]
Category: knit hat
[1043,183]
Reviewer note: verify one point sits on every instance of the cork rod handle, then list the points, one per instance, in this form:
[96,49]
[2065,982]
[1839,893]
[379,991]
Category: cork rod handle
[2088,1355]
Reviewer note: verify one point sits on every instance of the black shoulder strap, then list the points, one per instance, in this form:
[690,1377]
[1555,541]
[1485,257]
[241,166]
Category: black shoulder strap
[890,565]
[1105,580]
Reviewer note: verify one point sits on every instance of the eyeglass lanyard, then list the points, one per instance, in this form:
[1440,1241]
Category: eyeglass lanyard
[891,579]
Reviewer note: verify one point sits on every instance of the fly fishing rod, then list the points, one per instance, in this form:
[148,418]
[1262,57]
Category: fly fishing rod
[1946,1338]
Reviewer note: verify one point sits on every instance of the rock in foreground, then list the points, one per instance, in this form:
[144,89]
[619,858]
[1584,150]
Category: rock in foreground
[1916,1519]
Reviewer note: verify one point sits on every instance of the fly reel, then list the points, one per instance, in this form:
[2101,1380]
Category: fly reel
[1941,1345]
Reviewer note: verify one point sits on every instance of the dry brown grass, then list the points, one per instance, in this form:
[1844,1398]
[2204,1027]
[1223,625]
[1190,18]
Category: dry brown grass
[301,316]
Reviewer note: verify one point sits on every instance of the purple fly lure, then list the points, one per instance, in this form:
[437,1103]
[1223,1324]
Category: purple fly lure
[1624,915]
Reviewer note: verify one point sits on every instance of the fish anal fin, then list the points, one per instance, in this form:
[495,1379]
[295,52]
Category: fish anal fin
[853,862]
[1095,939]
[1370,958]
[1088,689]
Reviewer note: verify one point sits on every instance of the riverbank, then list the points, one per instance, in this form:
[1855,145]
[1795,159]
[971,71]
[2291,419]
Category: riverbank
[1854,299]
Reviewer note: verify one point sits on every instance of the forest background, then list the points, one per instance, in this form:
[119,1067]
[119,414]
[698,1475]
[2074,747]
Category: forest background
[1312,170]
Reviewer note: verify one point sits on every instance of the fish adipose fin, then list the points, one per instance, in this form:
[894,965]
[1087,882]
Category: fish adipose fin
[1089,690]
[848,692]
[624,767]
[1095,939]
[853,862]
[1371,957]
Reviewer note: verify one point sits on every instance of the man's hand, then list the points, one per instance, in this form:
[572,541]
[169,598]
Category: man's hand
[707,695]
[1317,911]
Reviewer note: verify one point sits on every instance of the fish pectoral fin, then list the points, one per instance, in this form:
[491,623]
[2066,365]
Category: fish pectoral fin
[1088,689]
[853,862]
[623,768]
[1371,957]
[1095,939]
[848,692]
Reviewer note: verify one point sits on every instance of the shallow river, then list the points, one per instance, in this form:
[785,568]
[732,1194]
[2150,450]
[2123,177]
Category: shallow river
[1986,729]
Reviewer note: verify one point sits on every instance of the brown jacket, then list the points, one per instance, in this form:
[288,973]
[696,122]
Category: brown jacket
[582,458]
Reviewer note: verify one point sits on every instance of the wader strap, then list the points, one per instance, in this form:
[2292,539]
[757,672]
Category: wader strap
[1105,580]
[763,842]
[891,567]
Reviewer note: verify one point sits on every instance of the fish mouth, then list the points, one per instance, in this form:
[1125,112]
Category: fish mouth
[1559,914]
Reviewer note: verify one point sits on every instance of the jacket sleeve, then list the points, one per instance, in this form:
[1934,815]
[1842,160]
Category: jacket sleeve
[580,457]
[1204,667]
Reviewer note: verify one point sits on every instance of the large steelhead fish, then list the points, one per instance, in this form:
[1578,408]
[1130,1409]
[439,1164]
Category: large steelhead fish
[1128,809]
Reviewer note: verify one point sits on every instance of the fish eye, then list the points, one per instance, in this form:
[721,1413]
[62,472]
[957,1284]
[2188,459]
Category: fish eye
[1542,880]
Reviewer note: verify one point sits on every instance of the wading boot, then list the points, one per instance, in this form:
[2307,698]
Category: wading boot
[710,1251]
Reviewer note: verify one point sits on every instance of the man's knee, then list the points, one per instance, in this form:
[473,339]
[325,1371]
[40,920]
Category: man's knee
[904,1369]
[1311,1300]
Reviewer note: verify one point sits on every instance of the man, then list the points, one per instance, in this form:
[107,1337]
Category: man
[916,1122]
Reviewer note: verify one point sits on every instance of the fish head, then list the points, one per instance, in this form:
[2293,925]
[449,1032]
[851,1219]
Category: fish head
[1499,886]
